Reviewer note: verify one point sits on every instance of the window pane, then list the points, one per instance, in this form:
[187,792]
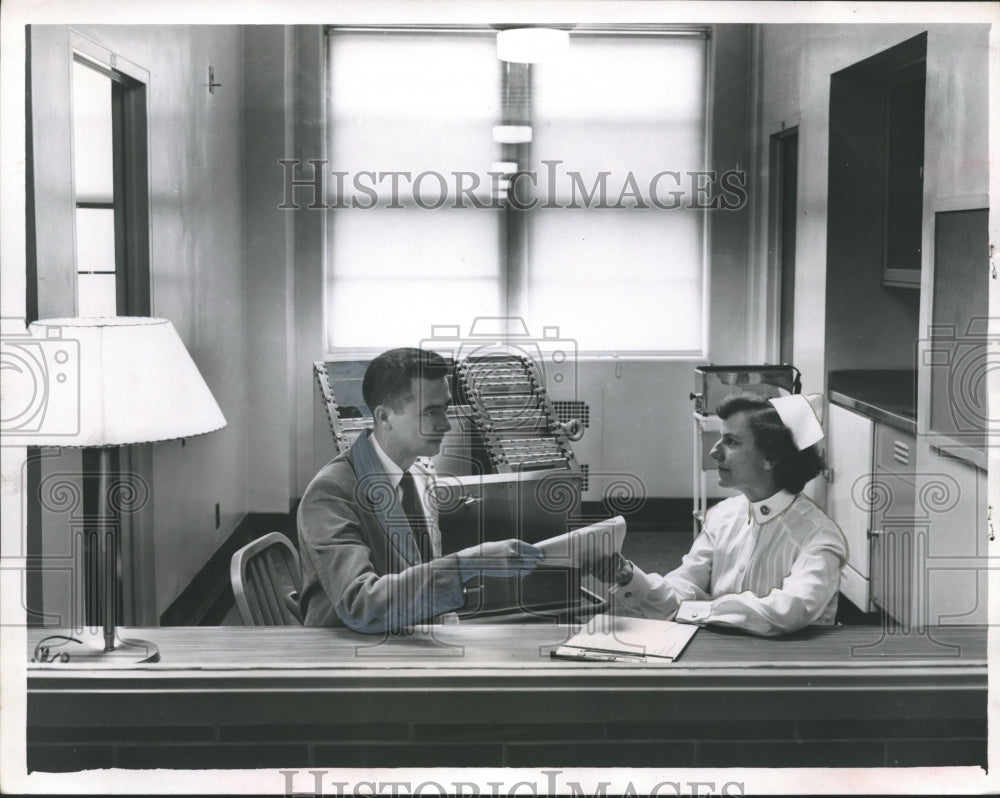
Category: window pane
[415,104]
[624,106]
[96,295]
[396,273]
[95,240]
[406,309]
[625,118]
[621,280]
[92,142]
[412,103]
[448,243]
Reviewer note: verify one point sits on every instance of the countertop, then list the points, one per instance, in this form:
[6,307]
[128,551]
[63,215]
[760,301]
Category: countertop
[885,395]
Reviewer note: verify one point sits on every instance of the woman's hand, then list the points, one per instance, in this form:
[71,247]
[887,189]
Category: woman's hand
[609,568]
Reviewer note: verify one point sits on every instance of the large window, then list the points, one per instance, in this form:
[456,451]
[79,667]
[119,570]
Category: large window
[570,192]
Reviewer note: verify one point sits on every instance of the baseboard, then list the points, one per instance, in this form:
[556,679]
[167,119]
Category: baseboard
[209,595]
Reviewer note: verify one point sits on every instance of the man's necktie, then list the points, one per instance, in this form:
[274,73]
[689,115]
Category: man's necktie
[414,512]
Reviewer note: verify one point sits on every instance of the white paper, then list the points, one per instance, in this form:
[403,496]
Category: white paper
[588,542]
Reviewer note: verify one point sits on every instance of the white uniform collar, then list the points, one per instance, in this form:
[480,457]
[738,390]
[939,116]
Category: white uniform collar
[770,508]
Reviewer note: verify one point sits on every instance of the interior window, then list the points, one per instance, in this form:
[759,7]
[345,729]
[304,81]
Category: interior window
[93,180]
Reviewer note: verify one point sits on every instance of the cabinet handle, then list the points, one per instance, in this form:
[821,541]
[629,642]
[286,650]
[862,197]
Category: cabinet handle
[874,533]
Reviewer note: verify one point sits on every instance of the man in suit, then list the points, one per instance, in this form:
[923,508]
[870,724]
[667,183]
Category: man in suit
[369,542]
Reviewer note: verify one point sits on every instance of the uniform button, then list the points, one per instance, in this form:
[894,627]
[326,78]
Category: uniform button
[628,594]
[765,510]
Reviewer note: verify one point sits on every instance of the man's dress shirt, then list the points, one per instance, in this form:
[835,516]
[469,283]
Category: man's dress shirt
[423,480]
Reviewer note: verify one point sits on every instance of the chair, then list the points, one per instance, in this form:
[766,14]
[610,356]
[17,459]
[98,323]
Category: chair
[266,582]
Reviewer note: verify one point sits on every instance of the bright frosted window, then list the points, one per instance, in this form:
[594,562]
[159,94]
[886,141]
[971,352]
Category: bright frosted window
[610,250]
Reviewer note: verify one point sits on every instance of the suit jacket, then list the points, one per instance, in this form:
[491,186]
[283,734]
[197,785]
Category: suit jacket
[360,562]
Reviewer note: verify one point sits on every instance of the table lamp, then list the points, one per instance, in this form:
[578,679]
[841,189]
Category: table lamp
[107,382]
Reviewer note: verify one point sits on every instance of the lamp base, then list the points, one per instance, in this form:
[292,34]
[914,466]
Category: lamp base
[86,650]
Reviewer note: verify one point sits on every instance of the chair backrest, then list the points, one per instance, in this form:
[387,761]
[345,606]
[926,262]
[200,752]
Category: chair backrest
[266,582]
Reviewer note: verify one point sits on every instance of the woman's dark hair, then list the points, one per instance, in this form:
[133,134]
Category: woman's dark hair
[388,377]
[792,468]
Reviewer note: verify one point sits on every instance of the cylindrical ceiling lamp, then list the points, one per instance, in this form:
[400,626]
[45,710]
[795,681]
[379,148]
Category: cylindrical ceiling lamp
[530,45]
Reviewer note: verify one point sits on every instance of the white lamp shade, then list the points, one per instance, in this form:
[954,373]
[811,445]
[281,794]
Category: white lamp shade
[109,382]
[530,45]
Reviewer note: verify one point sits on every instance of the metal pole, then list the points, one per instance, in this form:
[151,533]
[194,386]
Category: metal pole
[109,572]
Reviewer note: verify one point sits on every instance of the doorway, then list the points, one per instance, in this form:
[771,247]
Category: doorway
[784,177]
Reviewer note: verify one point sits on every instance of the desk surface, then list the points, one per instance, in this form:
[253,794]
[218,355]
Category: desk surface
[471,649]
[478,646]
[527,645]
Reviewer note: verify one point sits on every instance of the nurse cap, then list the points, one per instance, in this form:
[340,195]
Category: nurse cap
[798,415]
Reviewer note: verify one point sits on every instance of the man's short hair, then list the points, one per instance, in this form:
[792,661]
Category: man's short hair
[792,468]
[388,377]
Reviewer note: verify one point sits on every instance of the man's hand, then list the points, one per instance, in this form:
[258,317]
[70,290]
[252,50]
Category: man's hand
[608,568]
[503,558]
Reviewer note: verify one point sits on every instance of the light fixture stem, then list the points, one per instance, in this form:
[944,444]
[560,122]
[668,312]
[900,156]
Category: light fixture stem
[110,524]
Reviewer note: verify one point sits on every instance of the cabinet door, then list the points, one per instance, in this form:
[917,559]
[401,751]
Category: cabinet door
[849,457]
[898,545]
[955,362]
[952,503]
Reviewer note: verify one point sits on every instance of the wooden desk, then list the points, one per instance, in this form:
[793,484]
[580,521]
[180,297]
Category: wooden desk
[489,694]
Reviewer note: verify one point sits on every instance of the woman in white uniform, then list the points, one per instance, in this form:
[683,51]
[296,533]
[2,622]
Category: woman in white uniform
[767,561]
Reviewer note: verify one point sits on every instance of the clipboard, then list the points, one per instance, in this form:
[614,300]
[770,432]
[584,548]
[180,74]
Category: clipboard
[616,638]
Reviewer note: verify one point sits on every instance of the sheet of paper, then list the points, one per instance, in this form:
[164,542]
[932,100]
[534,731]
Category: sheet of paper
[571,548]
[614,638]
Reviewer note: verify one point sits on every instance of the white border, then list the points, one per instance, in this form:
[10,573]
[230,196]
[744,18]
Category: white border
[14,14]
